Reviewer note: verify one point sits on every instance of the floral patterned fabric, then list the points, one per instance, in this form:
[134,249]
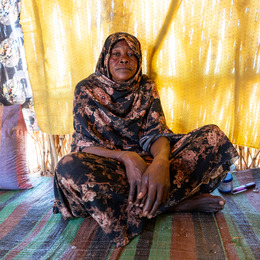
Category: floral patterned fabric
[129,117]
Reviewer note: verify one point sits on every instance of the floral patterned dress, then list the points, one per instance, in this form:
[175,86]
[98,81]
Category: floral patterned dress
[129,117]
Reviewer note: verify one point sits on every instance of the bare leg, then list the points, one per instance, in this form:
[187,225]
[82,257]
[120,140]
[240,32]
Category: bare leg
[200,202]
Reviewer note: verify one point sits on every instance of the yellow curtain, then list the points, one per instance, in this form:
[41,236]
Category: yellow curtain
[204,56]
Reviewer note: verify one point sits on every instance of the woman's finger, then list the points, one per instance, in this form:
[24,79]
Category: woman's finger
[144,187]
[132,192]
[138,189]
[158,202]
[143,201]
[150,200]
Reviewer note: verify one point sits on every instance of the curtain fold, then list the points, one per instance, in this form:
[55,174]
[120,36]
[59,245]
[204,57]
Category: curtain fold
[203,55]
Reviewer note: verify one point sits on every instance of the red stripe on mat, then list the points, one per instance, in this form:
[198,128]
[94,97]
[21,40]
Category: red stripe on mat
[183,245]
[82,241]
[10,222]
[116,253]
[34,233]
[226,237]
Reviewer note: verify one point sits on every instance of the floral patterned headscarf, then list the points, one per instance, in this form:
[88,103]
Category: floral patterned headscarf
[102,67]
[121,116]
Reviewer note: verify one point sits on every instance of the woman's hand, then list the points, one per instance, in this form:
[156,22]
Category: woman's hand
[135,167]
[156,179]
[155,186]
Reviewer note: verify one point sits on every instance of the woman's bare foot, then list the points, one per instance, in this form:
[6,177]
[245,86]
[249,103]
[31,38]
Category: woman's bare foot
[201,202]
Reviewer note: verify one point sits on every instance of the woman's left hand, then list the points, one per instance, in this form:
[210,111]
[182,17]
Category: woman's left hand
[155,186]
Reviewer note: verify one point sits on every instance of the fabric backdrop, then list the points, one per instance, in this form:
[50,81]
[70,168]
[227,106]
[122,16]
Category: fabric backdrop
[204,56]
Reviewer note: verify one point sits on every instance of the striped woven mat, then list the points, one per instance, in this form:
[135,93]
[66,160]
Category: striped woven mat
[29,230]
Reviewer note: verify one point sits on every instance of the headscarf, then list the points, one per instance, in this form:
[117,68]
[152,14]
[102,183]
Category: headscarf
[102,67]
[119,116]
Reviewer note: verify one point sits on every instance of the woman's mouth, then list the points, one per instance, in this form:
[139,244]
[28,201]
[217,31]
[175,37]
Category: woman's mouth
[124,69]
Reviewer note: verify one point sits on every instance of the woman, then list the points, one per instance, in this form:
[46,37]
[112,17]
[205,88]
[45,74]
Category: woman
[126,166]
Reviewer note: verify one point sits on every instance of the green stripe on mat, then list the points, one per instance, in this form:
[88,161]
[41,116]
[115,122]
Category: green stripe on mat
[40,238]
[161,245]
[65,239]
[8,195]
[10,207]
[220,237]
[129,250]
[111,251]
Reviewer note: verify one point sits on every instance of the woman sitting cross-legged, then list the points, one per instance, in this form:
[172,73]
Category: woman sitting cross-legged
[126,166]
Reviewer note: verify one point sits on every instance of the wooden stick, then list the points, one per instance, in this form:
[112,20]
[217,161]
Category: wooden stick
[62,140]
[53,153]
[43,156]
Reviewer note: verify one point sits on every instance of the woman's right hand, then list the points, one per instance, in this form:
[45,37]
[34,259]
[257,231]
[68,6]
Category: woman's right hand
[135,167]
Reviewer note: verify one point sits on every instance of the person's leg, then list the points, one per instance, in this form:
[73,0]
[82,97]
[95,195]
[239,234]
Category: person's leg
[199,161]
[81,179]
[91,185]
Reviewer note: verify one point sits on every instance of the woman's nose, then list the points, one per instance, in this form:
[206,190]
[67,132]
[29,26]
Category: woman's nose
[124,59]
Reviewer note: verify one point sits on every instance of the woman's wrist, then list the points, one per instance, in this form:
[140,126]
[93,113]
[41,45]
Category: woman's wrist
[162,155]
[161,159]
[161,148]
[120,156]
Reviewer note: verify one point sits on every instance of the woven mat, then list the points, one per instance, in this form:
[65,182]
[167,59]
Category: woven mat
[29,230]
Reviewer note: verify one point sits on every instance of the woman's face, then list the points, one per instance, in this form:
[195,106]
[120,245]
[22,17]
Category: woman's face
[122,62]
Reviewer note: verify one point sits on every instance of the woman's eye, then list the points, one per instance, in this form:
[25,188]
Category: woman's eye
[116,54]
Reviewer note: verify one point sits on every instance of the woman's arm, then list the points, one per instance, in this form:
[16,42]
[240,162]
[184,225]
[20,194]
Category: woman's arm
[114,154]
[161,148]
[156,179]
[135,166]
